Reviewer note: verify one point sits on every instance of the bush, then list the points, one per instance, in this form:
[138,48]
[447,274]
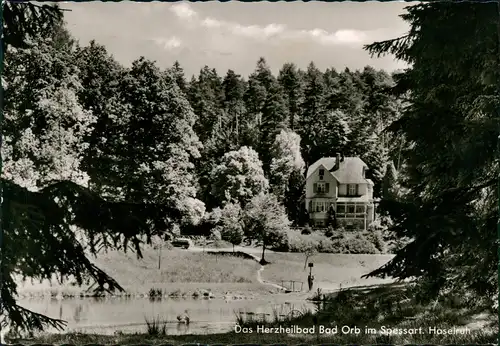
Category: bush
[341,230]
[281,242]
[382,229]
[329,232]
[331,246]
[306,230]
[359,245]
[300,245]
[350,242]
[376,238]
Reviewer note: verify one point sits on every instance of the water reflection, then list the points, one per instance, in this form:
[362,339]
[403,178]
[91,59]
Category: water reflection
[106,316]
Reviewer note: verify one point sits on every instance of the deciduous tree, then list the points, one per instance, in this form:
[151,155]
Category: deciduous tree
[239,177]
[266,221]
[286,159]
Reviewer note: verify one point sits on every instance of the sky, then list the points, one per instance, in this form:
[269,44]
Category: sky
[233,35]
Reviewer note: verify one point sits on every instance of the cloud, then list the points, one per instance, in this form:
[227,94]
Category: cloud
[273,31]
[183,11]
[251,31]
[280,31]
[256,31]
[339,37]
[168,43]
[211,23]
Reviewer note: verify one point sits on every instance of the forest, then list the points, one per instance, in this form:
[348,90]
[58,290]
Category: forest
[118,151]
[141,133]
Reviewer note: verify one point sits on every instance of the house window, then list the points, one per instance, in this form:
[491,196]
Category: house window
[360,209]
[351,209]
[321,188]
[321,174]
[340,208]
[320,207]
[351,189]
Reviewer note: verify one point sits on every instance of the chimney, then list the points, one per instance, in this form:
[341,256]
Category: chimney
[337,162]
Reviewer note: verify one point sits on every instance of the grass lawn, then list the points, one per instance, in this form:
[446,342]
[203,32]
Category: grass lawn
[186,272]
[181,270]
[330,270]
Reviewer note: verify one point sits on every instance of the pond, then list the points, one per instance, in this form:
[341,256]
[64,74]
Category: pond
[207,316]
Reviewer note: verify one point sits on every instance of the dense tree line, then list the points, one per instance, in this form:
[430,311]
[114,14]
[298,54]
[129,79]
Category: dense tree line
[120,154]
[144,134]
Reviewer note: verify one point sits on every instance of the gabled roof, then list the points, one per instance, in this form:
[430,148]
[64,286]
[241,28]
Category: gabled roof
[350,169]
[327,162]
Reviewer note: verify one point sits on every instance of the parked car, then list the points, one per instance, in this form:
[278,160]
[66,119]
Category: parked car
[182,242]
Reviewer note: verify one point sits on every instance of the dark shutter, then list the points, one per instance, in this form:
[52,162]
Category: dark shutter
[327,187]
[310,206]
[315,188]
[357,189]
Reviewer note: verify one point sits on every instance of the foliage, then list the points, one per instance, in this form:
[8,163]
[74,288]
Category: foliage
[231,223]
[156,326]
[329,231]
[290,80]
[450,156]
[331,220]
[309,251]
[44,126]
[24,21]
[358,244]
[100,77]
[162,119]
[377,239]
[50,228]
[389,182]
[216,233]
[306,230]
[239,177]
[294,199]
[286,159]
[265,220]
[47,218]
[347,243]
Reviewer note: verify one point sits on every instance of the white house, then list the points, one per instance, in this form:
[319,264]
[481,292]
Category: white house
[338,186]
